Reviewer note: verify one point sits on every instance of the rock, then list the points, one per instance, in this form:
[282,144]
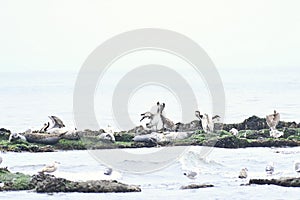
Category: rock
[4,131]
[124,136]
[46,183]
[256,123]
[286,182]
[195,186]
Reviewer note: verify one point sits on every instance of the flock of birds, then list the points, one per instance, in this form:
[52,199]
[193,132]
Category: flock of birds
[269,170]
[158,119]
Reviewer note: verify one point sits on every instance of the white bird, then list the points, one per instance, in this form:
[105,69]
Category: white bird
[243,173]
[273,120]
[107,171]
[191,174]
[270,168]
[297,166]
[16,136]
[234,131]
[50,168]
[276,134]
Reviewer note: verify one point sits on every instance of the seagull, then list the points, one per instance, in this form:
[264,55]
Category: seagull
[273,120]
[243,173]
[108,171]
[234,131]
[191,174]
[297,166]
[270,168]
[50,168]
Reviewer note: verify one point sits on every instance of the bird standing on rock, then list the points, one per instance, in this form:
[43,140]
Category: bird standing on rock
[243,173]
[191,174]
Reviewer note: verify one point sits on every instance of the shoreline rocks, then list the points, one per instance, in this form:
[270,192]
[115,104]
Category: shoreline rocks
[196,186]
[252,132]
[46,183]
[285,182]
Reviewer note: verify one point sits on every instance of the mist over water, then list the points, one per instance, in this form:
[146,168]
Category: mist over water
[27,98]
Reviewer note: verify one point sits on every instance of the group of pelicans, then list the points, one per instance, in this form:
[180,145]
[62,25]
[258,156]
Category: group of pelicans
[159,128]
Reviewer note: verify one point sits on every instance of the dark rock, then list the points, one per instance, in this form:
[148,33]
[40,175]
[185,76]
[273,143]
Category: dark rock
[286,182]
[3,131]
[124,136]
[46,183]
[195,186]
[256,123]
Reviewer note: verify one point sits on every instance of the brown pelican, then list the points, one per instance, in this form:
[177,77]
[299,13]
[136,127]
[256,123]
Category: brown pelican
[57,126]
[147,115]
[156,118]
[273,120]
[50,168]
[206,121]
[243,173]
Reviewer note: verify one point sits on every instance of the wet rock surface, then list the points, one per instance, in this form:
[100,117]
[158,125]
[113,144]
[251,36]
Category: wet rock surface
[257,123]
[252,132]
[195,186]
[286,182]
[46,183]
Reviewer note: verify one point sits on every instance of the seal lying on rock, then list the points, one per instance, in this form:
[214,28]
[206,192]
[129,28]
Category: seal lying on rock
[155,137]
[43,138]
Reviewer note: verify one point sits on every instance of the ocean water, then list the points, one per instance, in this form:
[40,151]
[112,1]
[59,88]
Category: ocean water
[27,98]
[220,168]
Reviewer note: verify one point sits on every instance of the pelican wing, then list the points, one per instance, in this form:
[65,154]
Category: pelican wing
[57,122]
[216,118]
[273,120]
[197,114]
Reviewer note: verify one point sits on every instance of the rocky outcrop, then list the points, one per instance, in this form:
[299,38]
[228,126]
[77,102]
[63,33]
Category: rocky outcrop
[256,123]
[195,186]
[45,183]
[286,182]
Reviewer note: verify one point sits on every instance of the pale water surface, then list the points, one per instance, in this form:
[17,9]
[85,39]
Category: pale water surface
[220,168]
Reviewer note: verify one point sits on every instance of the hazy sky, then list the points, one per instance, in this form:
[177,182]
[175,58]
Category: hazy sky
[60,34]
